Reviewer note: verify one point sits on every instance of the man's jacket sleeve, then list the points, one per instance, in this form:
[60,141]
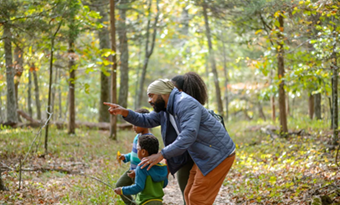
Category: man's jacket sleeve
[148,120]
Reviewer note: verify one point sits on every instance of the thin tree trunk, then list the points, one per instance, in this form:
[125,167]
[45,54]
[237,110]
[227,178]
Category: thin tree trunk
[225,69]
[50,89]
[113,118]
[148,52]
[311,106]
[335,78]
[124,55]
[212,60]
[260,110]
[0,108]
[54,90]
[29,94]
[12,116]
[36,91]
[281,73]
[317,106]
[18,65]
[104,43]
[331,107]
[59,99]
[72,105]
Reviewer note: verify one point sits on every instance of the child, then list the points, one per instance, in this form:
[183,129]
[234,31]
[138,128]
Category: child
[148,184]
[127,178]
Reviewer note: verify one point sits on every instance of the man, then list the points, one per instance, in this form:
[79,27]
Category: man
[188,130]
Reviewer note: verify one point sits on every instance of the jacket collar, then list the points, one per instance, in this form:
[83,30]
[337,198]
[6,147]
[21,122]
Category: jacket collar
[170,105]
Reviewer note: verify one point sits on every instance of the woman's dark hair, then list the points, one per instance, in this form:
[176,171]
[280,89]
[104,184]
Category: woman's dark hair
[149,143]
[192,84]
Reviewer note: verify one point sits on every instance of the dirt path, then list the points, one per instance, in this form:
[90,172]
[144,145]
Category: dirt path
[173,195]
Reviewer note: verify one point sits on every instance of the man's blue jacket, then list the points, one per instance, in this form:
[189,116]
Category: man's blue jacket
[200,134]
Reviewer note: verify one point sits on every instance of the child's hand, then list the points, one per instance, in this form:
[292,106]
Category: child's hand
[131,174]
[121,157]
[118,191]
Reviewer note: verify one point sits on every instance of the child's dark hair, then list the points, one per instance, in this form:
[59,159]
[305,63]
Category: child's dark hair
[149,143]
[192,84]
[142,110]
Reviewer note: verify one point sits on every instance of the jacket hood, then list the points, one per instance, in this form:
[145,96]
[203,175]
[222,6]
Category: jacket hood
[158,172]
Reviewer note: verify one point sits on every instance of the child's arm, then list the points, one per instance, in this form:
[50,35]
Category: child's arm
[127,157]
[139,183]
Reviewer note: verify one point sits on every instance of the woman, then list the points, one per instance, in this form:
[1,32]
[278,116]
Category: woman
[192,84]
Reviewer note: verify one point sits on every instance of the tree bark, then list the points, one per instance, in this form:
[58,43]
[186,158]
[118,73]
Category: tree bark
[36,91]
[124,55]
[317,106]
[49,108]
[148,52]
[113,118]
[104,43]
[2,186]
[212,60]
[260,110]
[29,93]
[281,72]
[225,69]
[311,106]
[12,116]
[335,78]
[72,105]
[19,68]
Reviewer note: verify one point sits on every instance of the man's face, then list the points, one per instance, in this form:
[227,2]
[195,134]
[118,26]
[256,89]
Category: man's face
[157,102]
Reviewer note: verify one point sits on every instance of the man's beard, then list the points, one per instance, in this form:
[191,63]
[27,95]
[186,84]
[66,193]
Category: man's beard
[159,105]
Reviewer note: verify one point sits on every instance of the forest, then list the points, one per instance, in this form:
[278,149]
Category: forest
[270,67]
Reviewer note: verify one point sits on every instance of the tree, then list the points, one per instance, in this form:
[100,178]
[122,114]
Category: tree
[72,36]
[212,59]
[124,54]
[148,51]
[113,119]
[12,116]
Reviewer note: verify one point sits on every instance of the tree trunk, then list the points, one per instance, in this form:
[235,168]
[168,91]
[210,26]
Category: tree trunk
[49,108]
[113,119]
[104,43]
[311,106]
[72,105]
[148,52]
[281,72]
[54,90]
[19,68]
[212,60]
[124,55]
[59,98]
[260,110]
[2,186]
[331,107]
[225,69]
[36,91]
[317,106]
[12,116]
[335,77]
[29,93]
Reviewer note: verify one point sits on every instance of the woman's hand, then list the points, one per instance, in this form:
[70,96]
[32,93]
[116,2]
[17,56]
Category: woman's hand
[116,109]
[151,160]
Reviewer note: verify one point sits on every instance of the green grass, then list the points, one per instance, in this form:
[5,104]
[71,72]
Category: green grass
[266,170]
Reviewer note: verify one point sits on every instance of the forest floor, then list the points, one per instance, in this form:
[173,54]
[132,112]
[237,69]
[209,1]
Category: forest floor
[298,170]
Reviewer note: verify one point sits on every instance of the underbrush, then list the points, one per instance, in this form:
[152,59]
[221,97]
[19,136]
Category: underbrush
[267,170]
